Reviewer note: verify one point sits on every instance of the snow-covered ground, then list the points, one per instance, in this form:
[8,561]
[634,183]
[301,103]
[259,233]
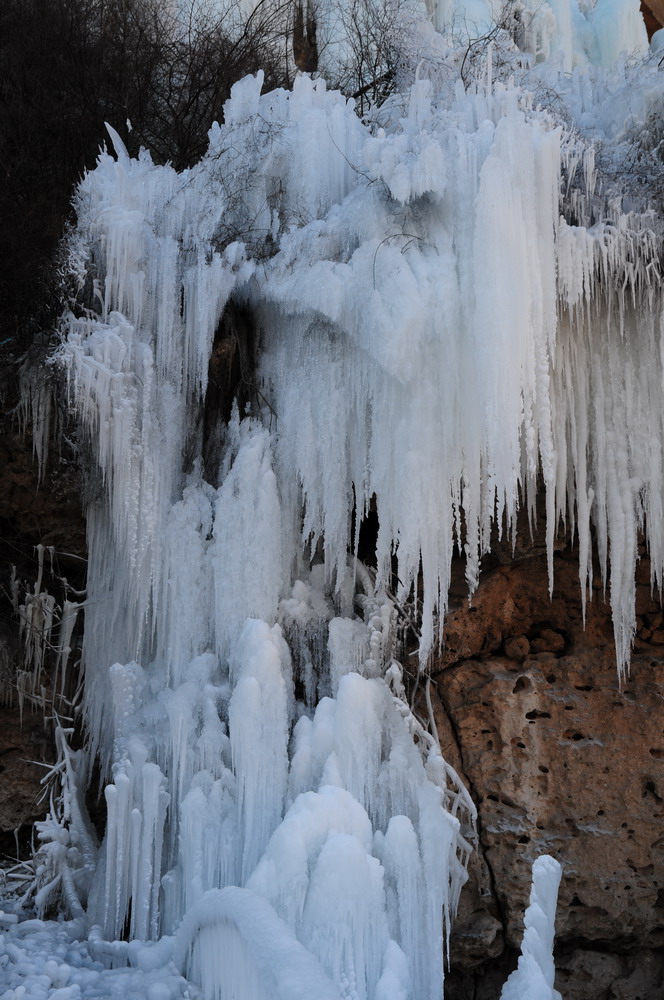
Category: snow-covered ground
[57,960]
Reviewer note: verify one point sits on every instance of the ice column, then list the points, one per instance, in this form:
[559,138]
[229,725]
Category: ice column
[535,972]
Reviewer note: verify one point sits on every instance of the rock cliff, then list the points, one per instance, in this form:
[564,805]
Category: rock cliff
[560,760]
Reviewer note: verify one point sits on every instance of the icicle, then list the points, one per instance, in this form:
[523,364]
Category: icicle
[258,714]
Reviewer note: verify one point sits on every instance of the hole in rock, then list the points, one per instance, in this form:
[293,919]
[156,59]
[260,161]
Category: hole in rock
[367,536]
[649,788]
[230,378]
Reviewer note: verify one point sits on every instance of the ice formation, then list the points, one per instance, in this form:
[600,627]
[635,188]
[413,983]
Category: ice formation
[455,317]
[535,972]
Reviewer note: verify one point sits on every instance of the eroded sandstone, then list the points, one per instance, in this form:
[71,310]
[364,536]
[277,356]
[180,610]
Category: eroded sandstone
[563,760]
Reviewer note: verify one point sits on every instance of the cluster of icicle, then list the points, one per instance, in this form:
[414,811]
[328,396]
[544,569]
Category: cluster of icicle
[573,33]
[46,633]
[432,335]
[265,790]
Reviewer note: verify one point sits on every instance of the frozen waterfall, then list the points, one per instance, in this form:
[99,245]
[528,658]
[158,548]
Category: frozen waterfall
[454,320]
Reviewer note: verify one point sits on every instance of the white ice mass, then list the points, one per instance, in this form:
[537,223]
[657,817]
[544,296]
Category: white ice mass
[456,312]
[534,975]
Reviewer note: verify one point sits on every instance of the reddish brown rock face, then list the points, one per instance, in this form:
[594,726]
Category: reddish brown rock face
[653,15]
[31,512]
[23,751]
[560,760]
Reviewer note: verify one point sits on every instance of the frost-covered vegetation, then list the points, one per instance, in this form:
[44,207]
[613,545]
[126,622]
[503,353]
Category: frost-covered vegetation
[456,308]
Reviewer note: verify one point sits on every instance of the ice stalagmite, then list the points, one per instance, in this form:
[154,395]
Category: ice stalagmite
[535,972]
[454,321]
